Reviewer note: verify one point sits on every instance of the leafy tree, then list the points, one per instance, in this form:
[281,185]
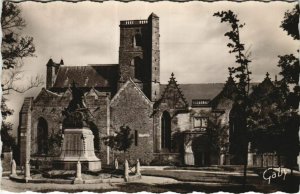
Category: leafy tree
[54,144]
[218,135]
[121,141]
[291,18]
[289,86]
[14,49]
[242,73]
[6,127]
[273,109]
[236,47]
[290,68]
[14,46]
[267,116]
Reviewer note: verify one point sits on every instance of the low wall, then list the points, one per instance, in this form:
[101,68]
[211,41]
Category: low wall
[267,160]
[167,159]
[260,160]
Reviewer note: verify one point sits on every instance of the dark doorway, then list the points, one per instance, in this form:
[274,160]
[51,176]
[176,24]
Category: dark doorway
[201,149]
[42,136]
[166,131]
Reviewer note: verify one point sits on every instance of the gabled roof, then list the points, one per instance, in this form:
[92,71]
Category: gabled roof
[264,88]
[198,91]
[45,93]
[101,76]
[127,84]
[27,105]
[173,95]
[95,93]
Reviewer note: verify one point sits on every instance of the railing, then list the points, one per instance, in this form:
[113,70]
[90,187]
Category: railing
[133,22]
[200,102]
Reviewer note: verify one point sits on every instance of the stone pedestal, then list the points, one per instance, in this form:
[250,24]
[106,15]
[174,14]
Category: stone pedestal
[78,146]
[126,171]
[13,172]
[78,178]
[27,172]
[138,167]
[222,159]
[250,159]
[116,164]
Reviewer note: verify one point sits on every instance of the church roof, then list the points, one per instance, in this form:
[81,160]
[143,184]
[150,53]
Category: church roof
[101,76]
[198,91]
[173,95]
[129,83]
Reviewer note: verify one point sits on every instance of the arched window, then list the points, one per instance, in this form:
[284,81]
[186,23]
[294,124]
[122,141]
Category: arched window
[166,131]
[137,40]
[42,136]
[137,62]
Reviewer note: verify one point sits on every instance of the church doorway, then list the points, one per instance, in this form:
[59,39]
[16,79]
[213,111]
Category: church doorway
[201,149]
[166,131]
[42,136]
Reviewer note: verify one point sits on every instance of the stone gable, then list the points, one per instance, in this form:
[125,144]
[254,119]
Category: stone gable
[130,107]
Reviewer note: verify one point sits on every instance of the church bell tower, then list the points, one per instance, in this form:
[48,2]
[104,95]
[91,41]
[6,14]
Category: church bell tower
[139,55]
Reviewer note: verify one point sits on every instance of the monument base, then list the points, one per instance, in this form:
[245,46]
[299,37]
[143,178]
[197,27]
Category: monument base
[78,181]
[78,145]
[71,165]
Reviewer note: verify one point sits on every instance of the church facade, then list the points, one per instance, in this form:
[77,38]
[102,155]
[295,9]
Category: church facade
[170,123]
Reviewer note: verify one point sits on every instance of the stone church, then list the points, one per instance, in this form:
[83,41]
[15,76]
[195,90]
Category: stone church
[169,122]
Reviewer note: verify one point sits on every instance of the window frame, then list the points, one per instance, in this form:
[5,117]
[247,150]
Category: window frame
[202,121]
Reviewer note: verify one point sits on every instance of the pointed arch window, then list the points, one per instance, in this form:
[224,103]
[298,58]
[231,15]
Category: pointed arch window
[42,136]
[166,131]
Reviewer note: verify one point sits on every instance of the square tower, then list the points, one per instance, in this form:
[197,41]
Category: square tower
[139,55]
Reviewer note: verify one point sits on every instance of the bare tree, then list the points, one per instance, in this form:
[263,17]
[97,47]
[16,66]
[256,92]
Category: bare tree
[14,49]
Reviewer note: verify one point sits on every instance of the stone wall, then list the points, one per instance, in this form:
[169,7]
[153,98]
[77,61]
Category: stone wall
[24,131]
[49,106]
[155,57]
[167,159]
[130,107]
[183,122]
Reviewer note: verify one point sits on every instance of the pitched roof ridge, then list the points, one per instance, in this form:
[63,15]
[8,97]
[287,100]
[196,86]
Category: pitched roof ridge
[140,91]
[179,89]
[173,80]
[68,89]
[50,92]
[135,86]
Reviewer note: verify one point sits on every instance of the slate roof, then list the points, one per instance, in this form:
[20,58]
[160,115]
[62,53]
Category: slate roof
[98,76]
[198,91]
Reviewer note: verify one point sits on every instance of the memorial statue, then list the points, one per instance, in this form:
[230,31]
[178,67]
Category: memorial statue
[78,142]
[76,114]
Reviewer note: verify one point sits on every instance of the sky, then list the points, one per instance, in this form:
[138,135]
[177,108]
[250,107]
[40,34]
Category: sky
[192,41]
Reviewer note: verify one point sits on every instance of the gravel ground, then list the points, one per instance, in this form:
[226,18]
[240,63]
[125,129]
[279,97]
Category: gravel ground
[12,186]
